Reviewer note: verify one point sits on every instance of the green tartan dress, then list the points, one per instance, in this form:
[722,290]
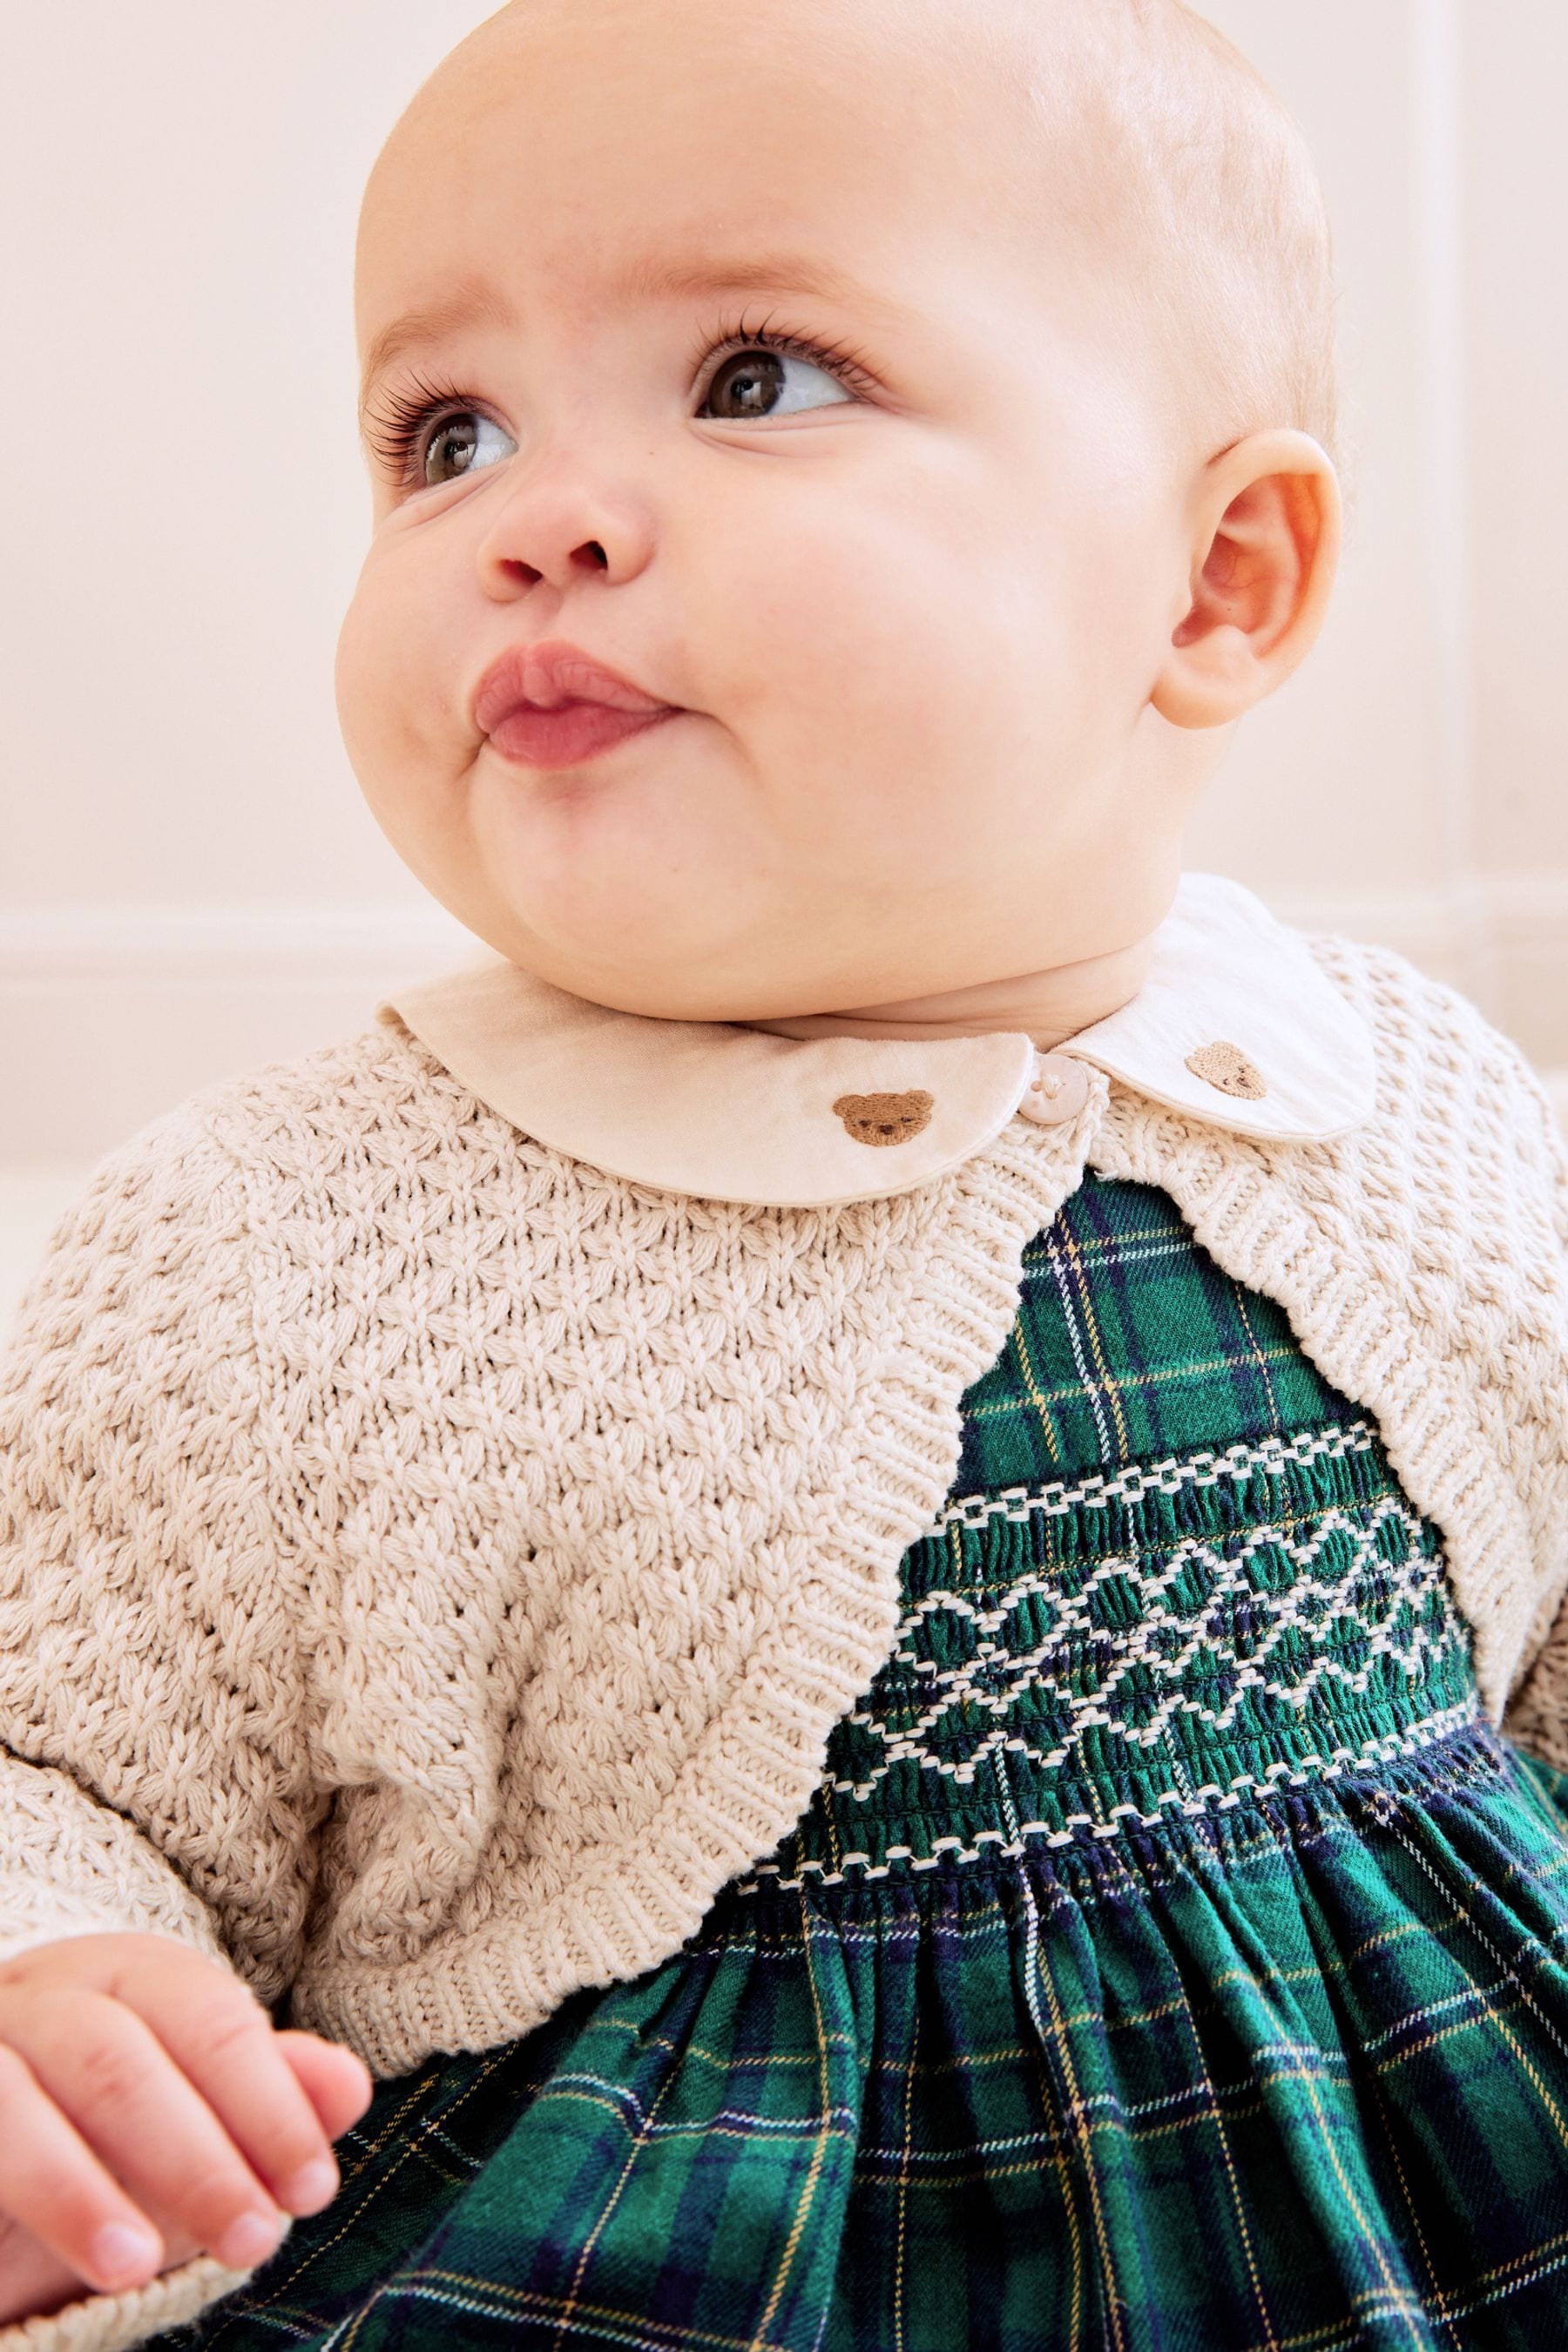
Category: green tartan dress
[1170,1956]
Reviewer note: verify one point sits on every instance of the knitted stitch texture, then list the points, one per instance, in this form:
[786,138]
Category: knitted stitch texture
[430,1568]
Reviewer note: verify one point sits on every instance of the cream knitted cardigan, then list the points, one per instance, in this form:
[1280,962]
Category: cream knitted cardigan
[430,1568]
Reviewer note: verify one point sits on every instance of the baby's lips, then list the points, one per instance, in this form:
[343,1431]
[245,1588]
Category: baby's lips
[547,674]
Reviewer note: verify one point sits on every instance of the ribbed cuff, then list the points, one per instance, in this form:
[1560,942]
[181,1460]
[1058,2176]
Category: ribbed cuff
[113,2322]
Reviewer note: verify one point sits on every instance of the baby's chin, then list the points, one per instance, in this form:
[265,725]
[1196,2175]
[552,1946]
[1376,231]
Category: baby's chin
[670,989]
[702,944]
[670,974]
[631,917]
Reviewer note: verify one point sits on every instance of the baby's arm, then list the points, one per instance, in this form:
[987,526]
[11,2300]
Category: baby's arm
[157,1808]
[1536,1715]
[149,2111]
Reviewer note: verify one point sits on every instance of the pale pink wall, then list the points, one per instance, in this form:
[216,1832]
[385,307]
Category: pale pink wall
[1335,775]
[185,504]
[1515,67]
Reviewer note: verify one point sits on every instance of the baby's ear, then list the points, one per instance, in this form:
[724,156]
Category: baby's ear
[1264,547]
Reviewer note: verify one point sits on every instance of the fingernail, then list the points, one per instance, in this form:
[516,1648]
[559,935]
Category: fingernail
[248,2241]
[122,2256]
[313,2186]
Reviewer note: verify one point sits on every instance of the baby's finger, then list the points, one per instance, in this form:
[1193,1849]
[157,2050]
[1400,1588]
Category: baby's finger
[221,2038]
[55,2186]
[336,2084]
[112,2077]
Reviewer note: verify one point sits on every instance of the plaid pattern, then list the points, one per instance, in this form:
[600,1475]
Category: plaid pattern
[1130,1345]
[1168,1958]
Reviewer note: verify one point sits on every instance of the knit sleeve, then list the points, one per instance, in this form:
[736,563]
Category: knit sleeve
[152,1748]
[1537,1713]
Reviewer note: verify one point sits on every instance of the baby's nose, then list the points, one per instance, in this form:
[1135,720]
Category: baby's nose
[560,524]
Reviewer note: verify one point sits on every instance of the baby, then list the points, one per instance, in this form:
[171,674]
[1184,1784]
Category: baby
[819,1574]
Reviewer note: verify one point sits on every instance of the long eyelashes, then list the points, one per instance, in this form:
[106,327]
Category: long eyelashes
[838,358]
[396,431]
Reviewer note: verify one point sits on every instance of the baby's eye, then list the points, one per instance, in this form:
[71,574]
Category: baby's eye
[463,443]
[750,382]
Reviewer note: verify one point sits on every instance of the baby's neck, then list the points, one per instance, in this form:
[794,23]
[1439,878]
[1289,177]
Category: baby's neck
[1048,1006]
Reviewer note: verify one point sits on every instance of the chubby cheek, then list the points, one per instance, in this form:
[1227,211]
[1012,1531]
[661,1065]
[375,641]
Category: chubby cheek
[904,662]
[394,678]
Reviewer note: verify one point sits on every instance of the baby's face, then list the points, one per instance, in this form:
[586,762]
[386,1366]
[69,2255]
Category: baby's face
[761,378]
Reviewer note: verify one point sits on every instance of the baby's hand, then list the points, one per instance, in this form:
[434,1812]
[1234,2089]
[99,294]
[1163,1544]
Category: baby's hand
[150,2111]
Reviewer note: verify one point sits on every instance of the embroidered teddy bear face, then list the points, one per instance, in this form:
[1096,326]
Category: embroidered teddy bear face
[1227,1068]
[885,1118]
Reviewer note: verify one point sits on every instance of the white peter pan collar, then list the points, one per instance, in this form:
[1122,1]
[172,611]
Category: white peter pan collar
[731,1113]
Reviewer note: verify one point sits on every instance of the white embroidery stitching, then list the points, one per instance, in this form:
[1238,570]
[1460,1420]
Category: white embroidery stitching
[1209,1799]
[995,1678]
[1168,1477]
[1195,1604]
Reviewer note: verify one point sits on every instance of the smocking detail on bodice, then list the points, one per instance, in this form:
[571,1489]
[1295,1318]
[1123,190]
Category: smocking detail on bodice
[1175,1571]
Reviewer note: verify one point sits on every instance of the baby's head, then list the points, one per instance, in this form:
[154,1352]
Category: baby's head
[927,400]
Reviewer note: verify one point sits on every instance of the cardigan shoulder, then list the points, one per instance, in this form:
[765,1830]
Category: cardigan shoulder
[1442,1064]
[1461,1177]
[1459,1189]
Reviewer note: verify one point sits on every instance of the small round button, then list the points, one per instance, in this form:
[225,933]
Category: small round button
[1057,1091]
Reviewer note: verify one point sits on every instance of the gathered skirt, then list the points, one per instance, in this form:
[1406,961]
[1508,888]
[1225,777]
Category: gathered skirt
[1293,2078]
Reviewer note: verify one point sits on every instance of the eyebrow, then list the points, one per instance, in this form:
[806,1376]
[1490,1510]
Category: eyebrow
[474,302]
[469,303]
